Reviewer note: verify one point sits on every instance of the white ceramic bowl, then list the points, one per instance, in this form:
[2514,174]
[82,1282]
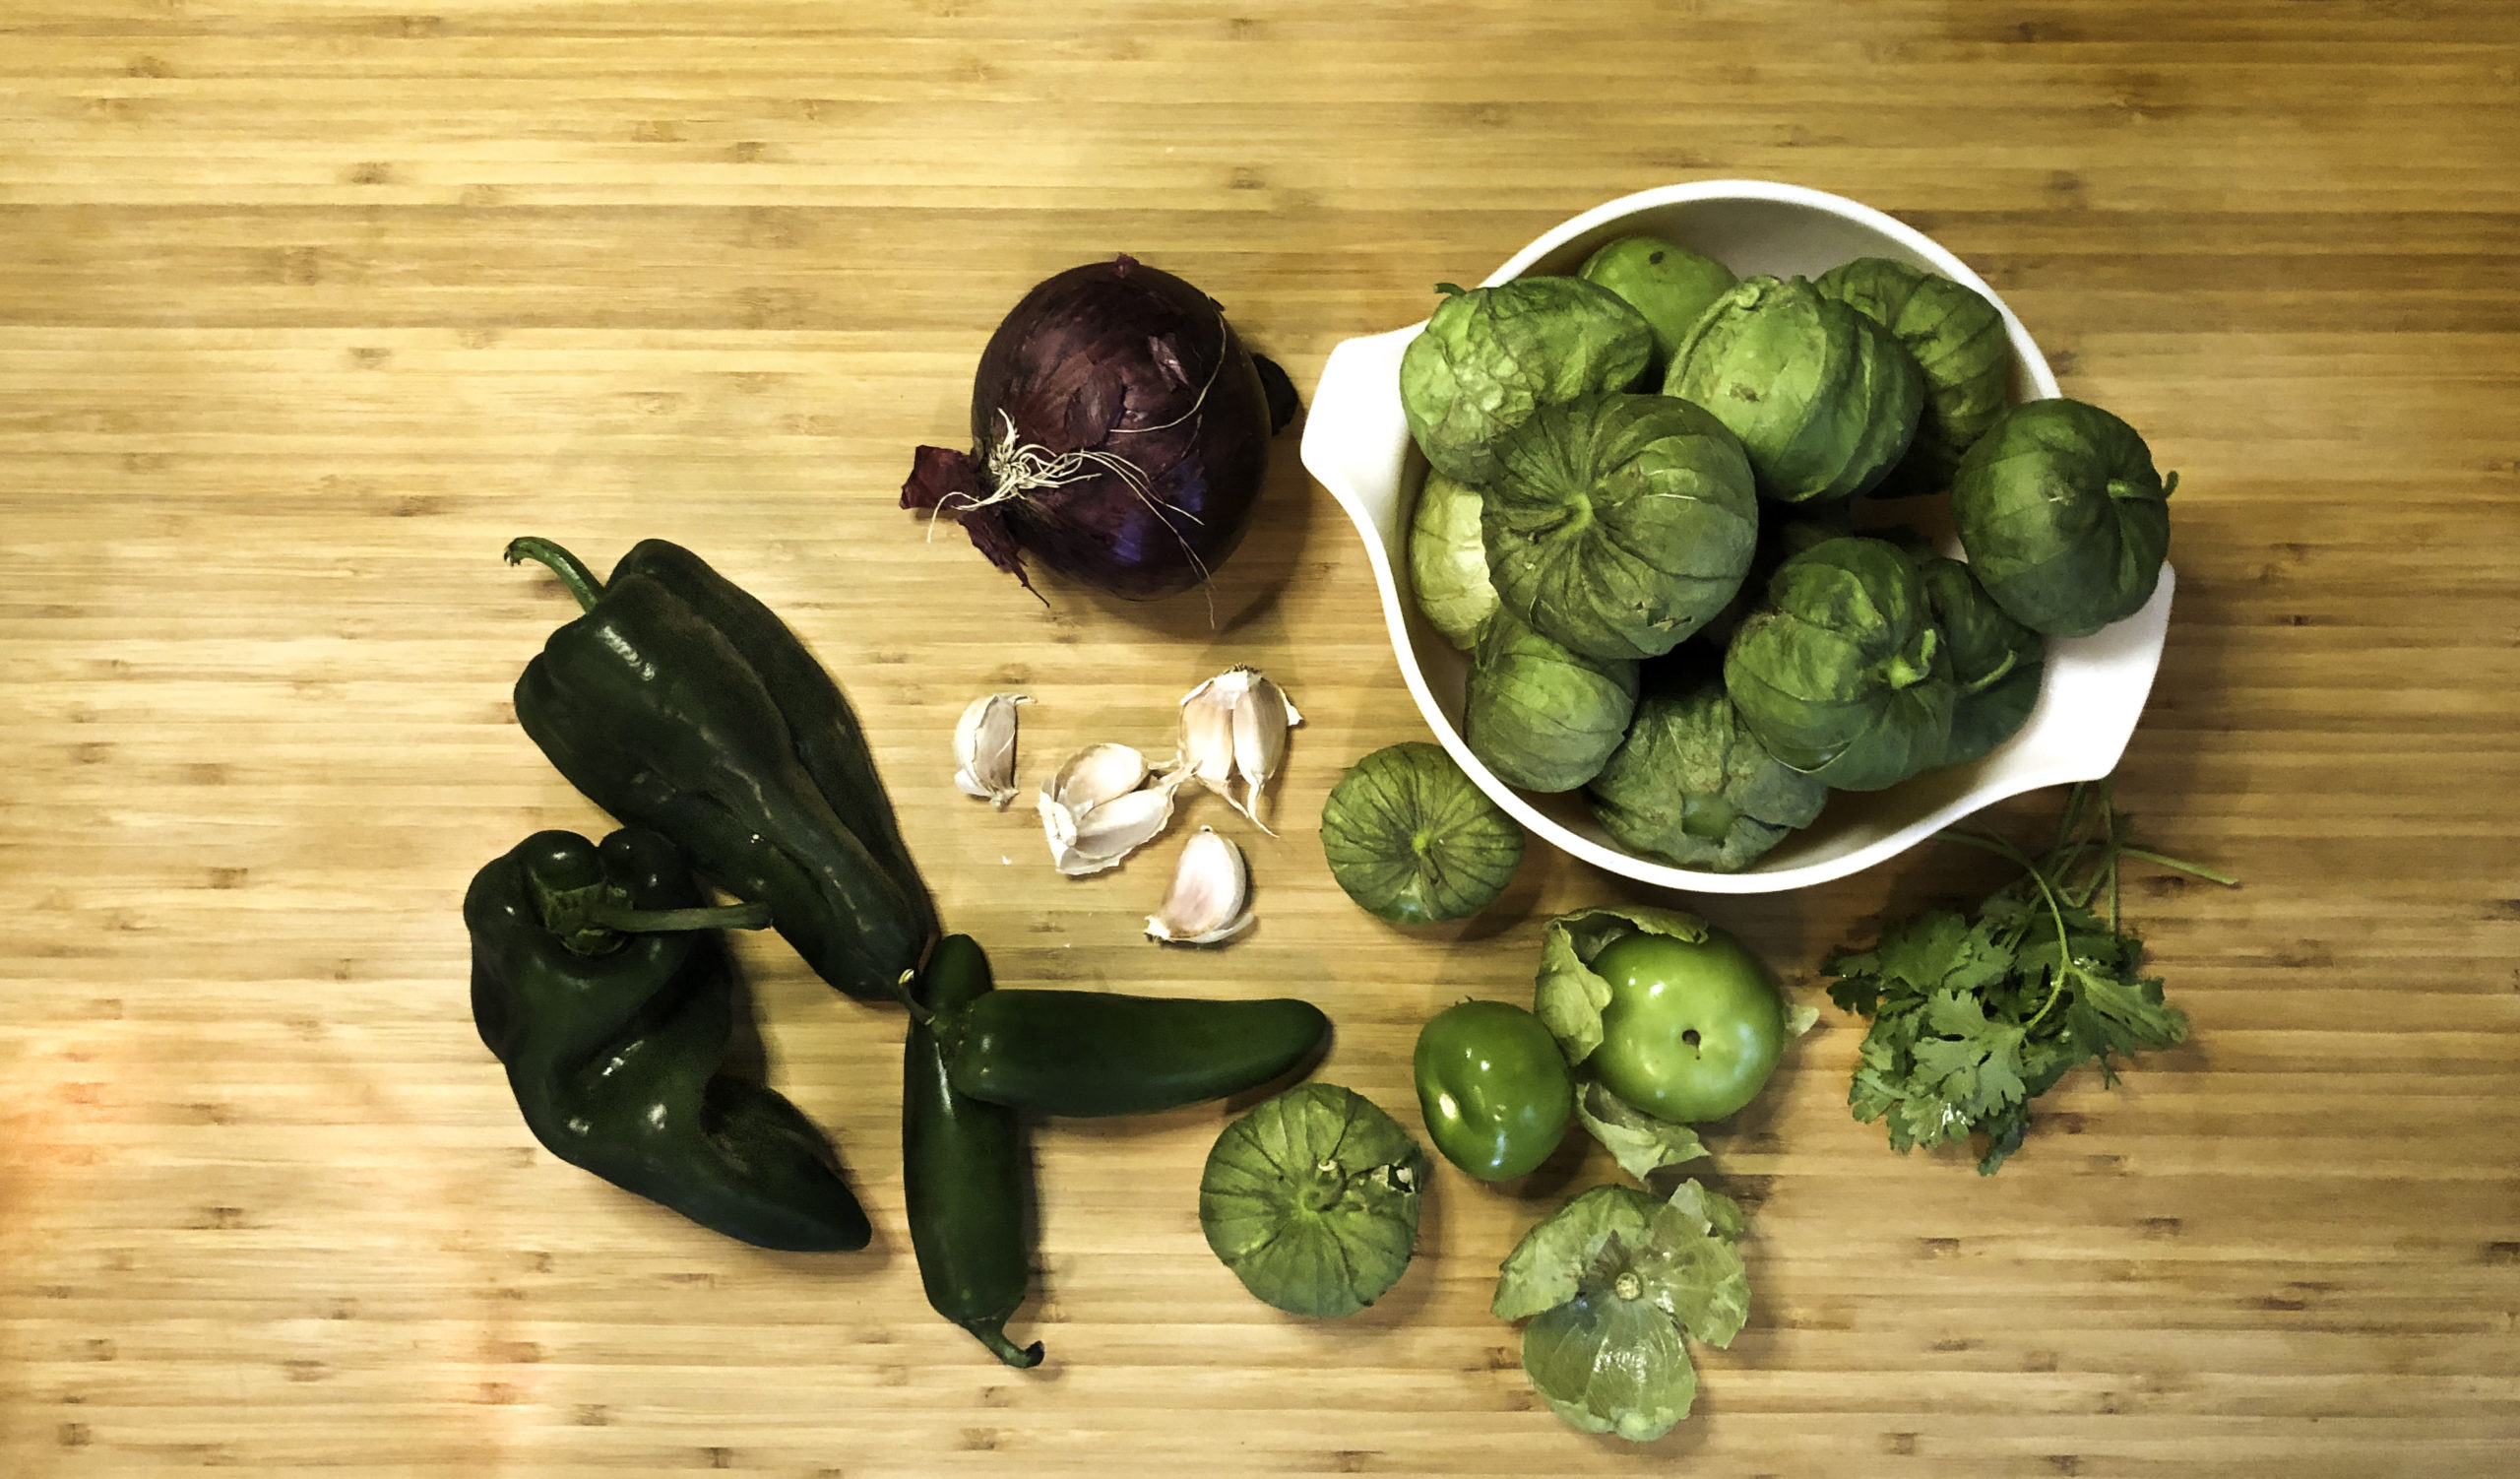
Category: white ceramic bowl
[1356,444]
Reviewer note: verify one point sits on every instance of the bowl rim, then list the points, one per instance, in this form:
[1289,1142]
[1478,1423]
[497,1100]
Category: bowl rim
[2043,379]
[1331,469]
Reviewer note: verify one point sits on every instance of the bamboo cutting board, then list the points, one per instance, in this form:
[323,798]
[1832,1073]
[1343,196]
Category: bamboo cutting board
[306,309]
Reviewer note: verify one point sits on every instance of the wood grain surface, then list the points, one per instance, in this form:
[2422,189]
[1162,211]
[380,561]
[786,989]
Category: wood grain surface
[306,309]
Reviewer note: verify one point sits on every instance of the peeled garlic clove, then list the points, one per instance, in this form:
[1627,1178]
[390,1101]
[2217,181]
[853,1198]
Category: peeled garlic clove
[985,749]
[1210,898]
[1106,834]
[1234,728]
[1094,774]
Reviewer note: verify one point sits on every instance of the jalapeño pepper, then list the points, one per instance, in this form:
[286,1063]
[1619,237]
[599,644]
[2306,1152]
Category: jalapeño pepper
[1100,1053]
[610,996]
[964,1172]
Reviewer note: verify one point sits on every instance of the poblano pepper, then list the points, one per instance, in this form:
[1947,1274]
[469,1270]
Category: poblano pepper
[607,993]
[680,703]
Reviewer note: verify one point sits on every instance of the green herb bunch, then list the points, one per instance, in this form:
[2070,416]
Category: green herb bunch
[1975,1015]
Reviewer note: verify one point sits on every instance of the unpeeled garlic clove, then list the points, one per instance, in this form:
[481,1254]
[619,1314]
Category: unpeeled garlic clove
[1094,774]
[985,749]
[1234,729]
[1098,808]
[1103,835]
[1209,902]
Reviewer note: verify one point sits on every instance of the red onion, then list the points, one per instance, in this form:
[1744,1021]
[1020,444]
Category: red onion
[1120,433]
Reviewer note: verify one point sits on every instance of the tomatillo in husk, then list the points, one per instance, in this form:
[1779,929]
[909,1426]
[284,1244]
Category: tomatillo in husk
[1311,1199]
[1412,838]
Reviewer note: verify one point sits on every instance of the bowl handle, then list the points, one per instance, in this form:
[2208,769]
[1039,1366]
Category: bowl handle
[2112,676]
[1365,445]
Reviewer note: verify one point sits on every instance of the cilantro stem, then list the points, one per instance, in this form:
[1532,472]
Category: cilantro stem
[2065,819]
[2117,850]
[2072,841]
[1983,842]
[2065,966]
[2191,869]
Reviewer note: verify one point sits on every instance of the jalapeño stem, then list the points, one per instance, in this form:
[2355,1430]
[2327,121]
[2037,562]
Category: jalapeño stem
[1021,1357]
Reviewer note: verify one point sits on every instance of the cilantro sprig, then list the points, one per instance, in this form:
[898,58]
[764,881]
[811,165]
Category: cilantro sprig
[1975,1015]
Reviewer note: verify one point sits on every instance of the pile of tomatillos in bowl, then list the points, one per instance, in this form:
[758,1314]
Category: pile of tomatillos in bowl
[1640,520]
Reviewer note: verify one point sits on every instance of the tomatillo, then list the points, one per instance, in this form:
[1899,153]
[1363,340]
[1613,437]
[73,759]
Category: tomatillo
[1495,1089]
[1691,1031]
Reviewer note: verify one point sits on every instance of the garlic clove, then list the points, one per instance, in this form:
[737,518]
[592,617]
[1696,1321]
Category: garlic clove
[1209,902]
[1260,725]
[1094,774]
[1106,833]
[1057,821]
[1234,728]
[1207,734]
[985,749]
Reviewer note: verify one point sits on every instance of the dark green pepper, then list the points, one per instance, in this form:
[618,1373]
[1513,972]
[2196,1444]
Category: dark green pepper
[680,704]
[606,991]
[1090,1054]
[964,1172]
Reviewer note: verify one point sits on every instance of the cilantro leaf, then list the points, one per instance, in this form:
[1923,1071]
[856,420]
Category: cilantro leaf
[1975,1015]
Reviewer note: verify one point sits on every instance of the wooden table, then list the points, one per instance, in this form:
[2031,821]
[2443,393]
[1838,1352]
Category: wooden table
[306,309]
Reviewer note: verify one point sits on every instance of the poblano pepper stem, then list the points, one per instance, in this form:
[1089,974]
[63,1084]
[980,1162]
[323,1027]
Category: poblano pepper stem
[573,573]
[589,913]
[594,927]
[704,917]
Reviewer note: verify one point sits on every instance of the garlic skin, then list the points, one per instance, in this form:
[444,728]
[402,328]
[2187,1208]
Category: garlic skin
[1234,728]
[1098,808]
[1209,901]
[985,749]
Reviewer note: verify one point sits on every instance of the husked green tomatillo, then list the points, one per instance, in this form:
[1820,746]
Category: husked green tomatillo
[1410,837]
[1691,784]
[1671,285]
[1610,1283]
[1996,663]
[1311,1199]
